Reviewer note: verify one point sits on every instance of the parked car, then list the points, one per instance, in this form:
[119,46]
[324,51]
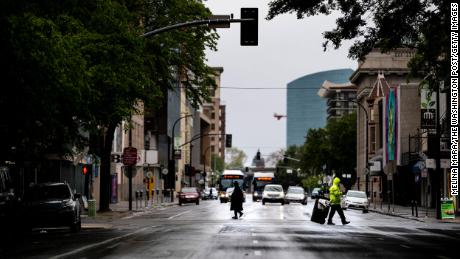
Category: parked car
[229,192]
[355,199]
[7,194]
[316,193]
[273,193]
[209,193]
[295,194]
[189,195]
[51,205]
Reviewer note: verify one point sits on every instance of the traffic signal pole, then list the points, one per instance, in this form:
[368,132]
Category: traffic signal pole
[194,23]
[130,173]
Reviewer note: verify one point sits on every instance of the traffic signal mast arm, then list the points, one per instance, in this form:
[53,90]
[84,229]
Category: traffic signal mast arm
[290,158]
[200,136]
[194,23]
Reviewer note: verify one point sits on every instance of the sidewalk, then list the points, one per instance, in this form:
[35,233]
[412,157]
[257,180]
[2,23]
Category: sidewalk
[424,215]
[121,210]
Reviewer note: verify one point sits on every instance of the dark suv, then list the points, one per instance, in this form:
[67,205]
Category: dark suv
[51,205]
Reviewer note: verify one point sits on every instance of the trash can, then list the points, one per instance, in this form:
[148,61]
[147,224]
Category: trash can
[92,208]
[320,210]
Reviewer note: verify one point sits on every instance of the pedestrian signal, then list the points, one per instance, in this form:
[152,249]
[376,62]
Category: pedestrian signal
[85,169]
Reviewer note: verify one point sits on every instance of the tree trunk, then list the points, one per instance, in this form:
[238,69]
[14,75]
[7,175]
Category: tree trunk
[105,182]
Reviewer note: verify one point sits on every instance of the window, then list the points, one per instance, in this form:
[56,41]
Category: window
[372,139]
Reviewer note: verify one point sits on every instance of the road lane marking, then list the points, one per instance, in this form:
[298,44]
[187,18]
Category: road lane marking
[108,241]
[253,234]
[113,246]
[177,215]
[258,253]
[405,246]
[255,241]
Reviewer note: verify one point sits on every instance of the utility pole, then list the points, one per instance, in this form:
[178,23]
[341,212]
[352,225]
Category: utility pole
[438,170]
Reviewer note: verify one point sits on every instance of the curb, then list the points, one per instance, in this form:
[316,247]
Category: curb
[124,214]
[413,218]
[396,215]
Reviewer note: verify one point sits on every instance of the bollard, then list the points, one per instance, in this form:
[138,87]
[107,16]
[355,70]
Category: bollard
[92,208]
[137,199]
[141,194]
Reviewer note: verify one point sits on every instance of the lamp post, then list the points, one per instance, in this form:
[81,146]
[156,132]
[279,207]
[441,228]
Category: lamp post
[204,154]
[367,141]
[171,162]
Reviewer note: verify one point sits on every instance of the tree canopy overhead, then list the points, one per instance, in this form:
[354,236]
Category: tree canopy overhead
[73,70]
[384,24]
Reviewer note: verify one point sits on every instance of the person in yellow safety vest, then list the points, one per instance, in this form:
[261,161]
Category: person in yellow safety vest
[335,196]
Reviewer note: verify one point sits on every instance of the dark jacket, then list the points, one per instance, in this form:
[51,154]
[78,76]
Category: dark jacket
[237,199]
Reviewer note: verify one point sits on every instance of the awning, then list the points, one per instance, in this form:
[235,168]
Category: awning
[418,167]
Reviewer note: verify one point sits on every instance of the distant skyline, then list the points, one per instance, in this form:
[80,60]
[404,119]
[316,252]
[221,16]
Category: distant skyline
[288,49]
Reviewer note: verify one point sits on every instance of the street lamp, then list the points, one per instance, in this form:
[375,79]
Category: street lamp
[171,162]
[367,141]
[204,154]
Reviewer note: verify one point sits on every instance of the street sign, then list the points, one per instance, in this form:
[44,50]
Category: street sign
[177,154]
[129,156]
[164,171]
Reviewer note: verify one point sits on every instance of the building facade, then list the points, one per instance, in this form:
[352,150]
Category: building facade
[215,111]
[389,113]
[305,109]
[341,98]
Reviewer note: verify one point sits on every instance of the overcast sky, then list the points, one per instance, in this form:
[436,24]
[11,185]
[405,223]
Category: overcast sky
[288,49]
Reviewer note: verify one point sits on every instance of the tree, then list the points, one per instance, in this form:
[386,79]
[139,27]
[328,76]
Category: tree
[327,150]
[234,158]
[274,157]
[217,163]
[284,164]
[75,69]
[422,25]
[315,152]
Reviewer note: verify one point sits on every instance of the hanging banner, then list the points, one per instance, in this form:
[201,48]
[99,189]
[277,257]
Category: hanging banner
[427,108]
[391,125]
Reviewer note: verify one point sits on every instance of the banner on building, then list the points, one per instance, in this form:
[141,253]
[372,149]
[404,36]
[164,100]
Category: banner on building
[427,108]
[391,125]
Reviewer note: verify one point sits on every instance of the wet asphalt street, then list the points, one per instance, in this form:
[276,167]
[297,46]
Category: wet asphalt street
[270,231]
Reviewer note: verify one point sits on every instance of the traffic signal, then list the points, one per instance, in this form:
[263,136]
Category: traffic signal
[249,29]
[228,140]
[85,169]
[116,158]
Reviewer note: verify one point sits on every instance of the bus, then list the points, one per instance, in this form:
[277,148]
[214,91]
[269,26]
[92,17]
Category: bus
[259,181]
[227,179]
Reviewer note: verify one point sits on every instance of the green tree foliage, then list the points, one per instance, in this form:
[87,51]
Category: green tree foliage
[326,150]
[217,163]
[234,158]
[73,70]
[311,182]
[387,24]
